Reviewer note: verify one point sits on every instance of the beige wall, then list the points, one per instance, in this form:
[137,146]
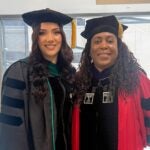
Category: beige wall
[122,1]
[8,7]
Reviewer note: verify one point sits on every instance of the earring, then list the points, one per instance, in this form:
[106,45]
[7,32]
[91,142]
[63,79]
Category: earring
[91,60]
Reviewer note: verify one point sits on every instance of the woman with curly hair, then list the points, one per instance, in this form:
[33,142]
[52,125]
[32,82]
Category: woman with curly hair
[36,91]
[112,90]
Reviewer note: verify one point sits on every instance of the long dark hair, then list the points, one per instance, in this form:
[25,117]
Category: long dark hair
[124,73]
[39,73]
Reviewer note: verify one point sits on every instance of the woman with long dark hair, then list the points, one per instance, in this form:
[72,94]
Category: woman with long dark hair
[36,91]
[112,90]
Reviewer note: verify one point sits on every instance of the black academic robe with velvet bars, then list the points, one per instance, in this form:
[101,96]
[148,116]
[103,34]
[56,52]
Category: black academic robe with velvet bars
[26,124]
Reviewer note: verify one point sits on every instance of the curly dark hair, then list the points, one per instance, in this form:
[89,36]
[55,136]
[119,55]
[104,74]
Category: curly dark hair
[124,73]
[39,73]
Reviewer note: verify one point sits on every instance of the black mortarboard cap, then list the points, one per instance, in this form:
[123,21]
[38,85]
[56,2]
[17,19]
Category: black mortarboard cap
[45,15]
[103,24]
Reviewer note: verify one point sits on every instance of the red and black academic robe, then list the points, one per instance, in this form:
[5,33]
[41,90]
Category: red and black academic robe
[133,119]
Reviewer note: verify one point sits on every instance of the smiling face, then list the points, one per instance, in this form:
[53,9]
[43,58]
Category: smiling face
[50,40]
[104,50]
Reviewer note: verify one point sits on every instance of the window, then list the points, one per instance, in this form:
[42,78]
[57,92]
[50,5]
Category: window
[13,42]
[13,39]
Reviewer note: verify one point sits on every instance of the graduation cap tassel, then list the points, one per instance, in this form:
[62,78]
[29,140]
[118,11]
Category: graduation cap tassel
[73,36]
[120,30]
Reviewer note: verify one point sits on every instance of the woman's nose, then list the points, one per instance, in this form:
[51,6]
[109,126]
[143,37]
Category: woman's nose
[49,37]
[103,45]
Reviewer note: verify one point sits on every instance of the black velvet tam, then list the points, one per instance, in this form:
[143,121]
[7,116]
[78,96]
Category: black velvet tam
[45,15]
[102,24]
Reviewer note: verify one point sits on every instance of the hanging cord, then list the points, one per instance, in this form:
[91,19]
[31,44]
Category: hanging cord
[52,113]
[74,32]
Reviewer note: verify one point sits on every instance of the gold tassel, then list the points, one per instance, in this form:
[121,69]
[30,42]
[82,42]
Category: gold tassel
[120,30]
[73,36]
